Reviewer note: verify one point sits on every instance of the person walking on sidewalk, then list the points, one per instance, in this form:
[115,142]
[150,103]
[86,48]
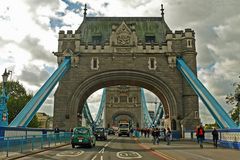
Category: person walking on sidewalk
[168,135]
[196,133]
[201,133]
[215,137]
[154,135]
[157,135]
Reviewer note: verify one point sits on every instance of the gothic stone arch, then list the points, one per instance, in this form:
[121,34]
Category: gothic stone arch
[120,115]
[137,51]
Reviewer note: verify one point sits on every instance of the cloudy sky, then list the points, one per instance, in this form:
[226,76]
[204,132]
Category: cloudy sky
[29,34]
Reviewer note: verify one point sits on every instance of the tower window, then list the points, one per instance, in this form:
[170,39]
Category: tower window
[150,39]
[189,43]
[123,99]
[130,100]
[152,64]
[115,99]
[196,115]
[95,63]
[96,40]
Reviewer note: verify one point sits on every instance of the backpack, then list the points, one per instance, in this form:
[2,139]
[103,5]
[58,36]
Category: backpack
[200,132]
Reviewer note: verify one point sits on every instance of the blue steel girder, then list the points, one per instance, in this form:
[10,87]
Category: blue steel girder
[87,114]
[147,117]
[159,115]
[101,107]
[31,108]
[216,110]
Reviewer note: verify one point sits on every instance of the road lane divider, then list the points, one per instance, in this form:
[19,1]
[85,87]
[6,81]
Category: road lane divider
[102,150]
[94,157]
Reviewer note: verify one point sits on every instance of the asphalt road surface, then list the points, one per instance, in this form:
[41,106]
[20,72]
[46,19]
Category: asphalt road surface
[113,148]
[117,148]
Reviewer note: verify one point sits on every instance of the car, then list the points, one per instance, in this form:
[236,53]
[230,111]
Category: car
[100,133]
[83,136]
[111,131]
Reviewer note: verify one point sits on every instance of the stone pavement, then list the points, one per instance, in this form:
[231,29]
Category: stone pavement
[185,149]
[16,155]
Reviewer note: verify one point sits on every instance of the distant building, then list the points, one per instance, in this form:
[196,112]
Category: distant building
[45,120]
[123,103]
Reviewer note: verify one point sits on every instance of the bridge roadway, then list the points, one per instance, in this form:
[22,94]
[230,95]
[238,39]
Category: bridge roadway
[116,148]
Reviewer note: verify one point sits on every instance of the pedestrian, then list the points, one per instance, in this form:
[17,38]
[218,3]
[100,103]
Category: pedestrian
[148,132]
[154,133]
[168,135]
[164,134]
[201,133]
[131,131]
[158,135]
[56,132]
[215,137]
[145,132]
[196,133]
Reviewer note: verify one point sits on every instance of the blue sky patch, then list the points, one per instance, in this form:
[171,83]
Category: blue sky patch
[75,7]
[55,22]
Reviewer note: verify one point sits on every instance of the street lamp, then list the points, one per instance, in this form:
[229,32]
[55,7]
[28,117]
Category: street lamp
[237,97]
[3,100]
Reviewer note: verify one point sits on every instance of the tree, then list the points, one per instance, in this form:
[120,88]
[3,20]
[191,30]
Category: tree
[18,98]
[234,99]
[210,126]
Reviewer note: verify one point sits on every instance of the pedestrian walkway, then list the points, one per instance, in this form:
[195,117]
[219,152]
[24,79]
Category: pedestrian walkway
[16,155]
[183,150]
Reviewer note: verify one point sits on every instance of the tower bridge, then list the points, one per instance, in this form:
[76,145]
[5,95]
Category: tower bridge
[133,51]
[137,51]
[114,53]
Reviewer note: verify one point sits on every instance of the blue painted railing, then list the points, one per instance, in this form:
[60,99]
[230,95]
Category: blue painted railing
[31,108]
[14,141]
[216,110]
[228,138]
[147,119]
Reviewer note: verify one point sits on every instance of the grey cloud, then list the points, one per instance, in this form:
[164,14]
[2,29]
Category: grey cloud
[33,75]
[49,101]
[105,4]
[95,97]
[135,3]
[37,51]
[47,108]
[35,4]
[4,41]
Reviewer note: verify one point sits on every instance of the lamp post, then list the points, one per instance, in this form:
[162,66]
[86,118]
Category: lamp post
[3,100]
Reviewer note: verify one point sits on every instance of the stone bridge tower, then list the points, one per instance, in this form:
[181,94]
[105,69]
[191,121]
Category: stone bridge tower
[123,103]
[134,51]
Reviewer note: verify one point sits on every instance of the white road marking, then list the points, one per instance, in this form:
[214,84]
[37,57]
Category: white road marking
[102,150]
[128,155]
[70,153]
[94,157]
